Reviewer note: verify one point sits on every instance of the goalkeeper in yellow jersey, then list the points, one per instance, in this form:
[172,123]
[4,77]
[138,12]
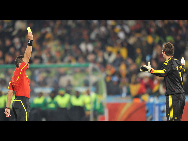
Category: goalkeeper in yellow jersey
[172,70]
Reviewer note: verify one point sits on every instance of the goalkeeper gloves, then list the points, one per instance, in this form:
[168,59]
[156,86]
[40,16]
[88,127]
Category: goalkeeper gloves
[182,61]
[146,68]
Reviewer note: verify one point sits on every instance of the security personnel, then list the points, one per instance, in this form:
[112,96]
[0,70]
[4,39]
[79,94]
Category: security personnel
[39,102]
[2,106]
[99,107]
[51,103]
[39,105]
[87,102]
[51,107]
[62,100]
[77,112]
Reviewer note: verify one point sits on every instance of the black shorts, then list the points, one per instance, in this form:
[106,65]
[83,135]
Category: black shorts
[21,108]
[174,106]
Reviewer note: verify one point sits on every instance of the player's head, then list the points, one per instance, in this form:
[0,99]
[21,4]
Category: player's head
[18,60]
[168,49]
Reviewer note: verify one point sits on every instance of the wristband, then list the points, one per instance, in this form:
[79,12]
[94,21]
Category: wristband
[7,107]
[152,70]
[30,42]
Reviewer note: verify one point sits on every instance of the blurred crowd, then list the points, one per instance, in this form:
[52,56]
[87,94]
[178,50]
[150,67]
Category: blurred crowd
[117,47]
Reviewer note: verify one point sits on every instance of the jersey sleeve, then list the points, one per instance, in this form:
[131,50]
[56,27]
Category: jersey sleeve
[23,67]
[166,68]
[10,87]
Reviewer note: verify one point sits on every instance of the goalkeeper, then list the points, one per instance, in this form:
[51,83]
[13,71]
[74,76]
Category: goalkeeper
[172,70]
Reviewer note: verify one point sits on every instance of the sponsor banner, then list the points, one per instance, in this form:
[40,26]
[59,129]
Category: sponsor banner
[118,99]
[83,89]
[185,112]
[126,111]
[45,90]
[155,111]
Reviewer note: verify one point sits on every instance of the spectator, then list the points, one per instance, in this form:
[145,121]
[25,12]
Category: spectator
[114,88]
[69,87]
[100,58]
[91,58]
[16,42]
[86,46]
[1,61]
[1,55]
[110,70]
[124,85]
[118,60]
[136,88]
[147,82]
[109,56]
[19,25]
[7,46]
[122,69]
[9,59]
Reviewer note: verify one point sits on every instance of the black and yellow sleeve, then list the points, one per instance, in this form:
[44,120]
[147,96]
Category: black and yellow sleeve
[166,68]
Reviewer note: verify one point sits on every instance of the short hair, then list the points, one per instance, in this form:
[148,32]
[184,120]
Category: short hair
[18,60]
[168,48]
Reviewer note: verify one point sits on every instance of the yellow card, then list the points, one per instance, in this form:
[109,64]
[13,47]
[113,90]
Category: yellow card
[29,30]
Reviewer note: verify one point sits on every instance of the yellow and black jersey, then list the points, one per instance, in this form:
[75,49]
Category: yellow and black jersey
[172,70]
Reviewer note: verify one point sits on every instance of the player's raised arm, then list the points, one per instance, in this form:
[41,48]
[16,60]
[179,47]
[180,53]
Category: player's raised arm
[27,54]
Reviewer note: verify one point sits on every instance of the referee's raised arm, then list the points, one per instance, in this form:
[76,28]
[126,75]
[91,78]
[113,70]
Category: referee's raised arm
[27,54]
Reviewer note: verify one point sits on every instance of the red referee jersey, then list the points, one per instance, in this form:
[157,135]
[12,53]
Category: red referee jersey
[20,81]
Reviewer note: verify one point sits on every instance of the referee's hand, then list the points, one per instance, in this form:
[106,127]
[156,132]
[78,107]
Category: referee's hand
[7,112]
[30,35]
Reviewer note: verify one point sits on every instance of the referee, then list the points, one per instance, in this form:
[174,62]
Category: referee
[172,70]
[20,85]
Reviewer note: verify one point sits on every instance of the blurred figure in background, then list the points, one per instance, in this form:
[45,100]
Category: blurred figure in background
[90,101]
[68,87]
[114,88]
[52,107]
[109,56]
[147,82]
[77,112]
[38,106]
[2,107]
[62,100]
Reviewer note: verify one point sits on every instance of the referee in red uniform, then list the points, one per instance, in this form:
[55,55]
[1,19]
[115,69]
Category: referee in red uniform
[20,85]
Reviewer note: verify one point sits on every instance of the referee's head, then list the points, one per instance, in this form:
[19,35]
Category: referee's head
[18,60]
